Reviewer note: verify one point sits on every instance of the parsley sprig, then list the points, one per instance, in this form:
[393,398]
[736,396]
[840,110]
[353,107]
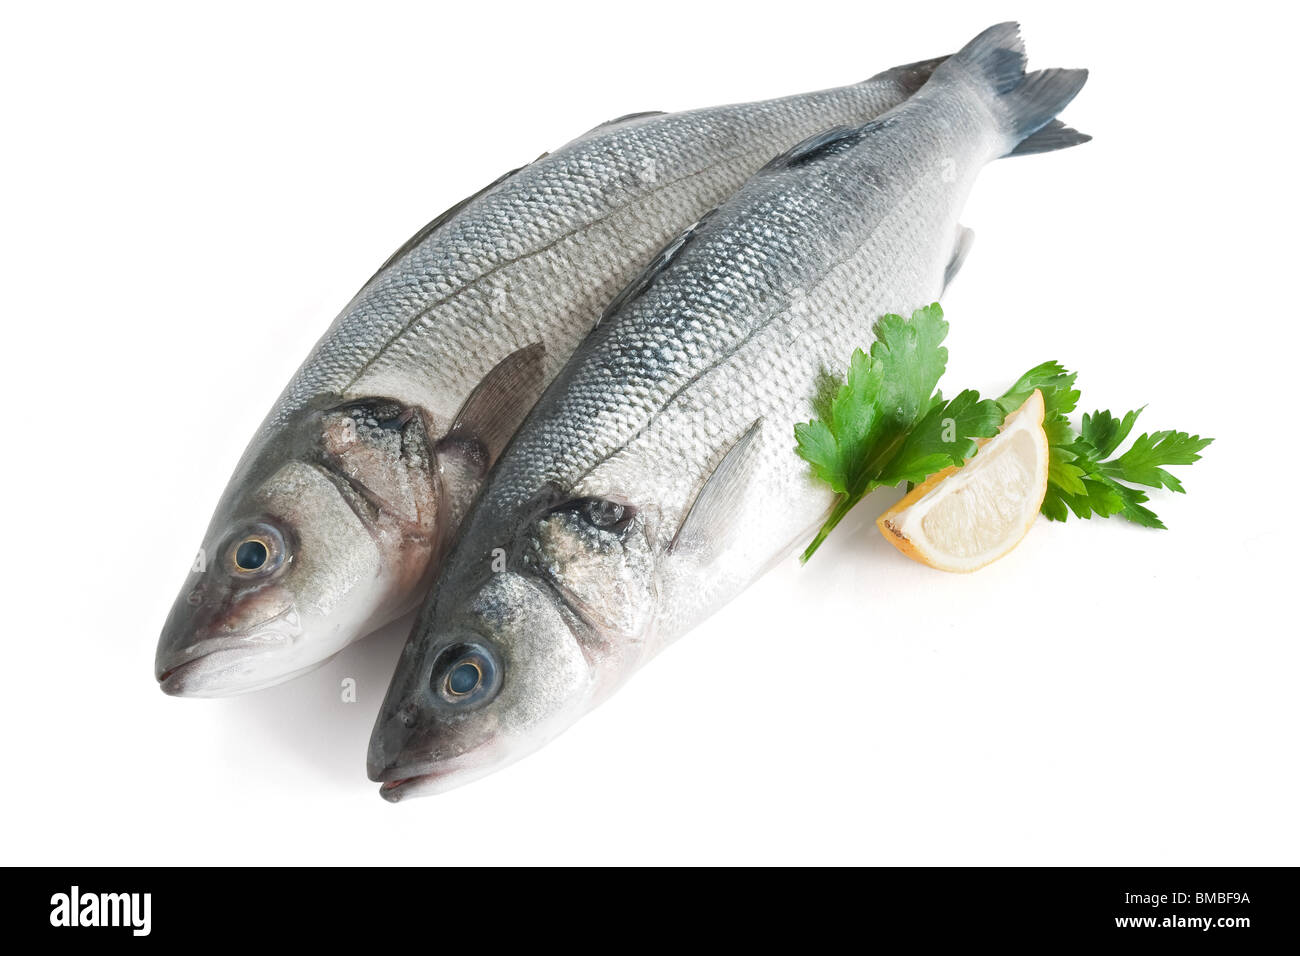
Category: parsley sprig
[1082,476]
[886,423]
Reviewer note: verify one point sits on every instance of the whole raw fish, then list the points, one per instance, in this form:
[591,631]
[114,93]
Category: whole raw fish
[656,477]
[338,514]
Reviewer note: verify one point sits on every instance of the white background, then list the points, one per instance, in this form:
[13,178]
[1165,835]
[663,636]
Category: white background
[188,197]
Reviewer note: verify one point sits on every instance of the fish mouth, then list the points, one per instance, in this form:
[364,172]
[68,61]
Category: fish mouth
[449,775]
[394,790]
[218,673]
[220,666]
[418,775]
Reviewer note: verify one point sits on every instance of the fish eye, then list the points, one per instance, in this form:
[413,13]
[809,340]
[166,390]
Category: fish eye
[465,674]
[256,550]
[607,515]
[251,554]
[464,678]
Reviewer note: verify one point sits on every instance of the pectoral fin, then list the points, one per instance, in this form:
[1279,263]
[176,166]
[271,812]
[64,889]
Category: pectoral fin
[717,507]
[960,249]
[498,404]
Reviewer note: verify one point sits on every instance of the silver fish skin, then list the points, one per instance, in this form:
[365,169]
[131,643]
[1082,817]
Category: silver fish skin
[339,512]
[656,477]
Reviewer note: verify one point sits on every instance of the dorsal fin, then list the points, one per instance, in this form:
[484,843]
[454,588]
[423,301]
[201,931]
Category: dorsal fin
[667,255]
[627,118]
[824,143]
[911,76]
[708,522]
[437,222]
[810,147]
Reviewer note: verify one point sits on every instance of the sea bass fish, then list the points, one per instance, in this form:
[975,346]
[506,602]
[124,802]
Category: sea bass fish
[656,478]
[340,510]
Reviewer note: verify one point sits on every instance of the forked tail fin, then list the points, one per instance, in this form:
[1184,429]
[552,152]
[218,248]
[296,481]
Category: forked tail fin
[1024,104]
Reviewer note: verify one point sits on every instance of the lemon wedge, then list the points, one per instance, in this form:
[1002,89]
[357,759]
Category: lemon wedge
[967,516]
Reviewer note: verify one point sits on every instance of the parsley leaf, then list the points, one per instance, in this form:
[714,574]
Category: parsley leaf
[1057,385]
[1082,477]
[945,436]
[887,423]
[1141,463]
[1104,432]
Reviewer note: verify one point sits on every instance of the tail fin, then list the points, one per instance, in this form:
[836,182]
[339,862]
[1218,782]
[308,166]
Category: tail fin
[1055,135]
[1025,104]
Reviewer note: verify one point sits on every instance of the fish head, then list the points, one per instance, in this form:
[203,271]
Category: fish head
[328,530]
[530,627]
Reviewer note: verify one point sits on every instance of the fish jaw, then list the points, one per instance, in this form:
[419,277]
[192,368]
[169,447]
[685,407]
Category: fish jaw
[448,775]
[221,673]
[426,742]
[244,647]
[429,778]
[267,639]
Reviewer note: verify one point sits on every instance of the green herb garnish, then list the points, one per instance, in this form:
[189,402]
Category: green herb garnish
[886,423]
[1082,476]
